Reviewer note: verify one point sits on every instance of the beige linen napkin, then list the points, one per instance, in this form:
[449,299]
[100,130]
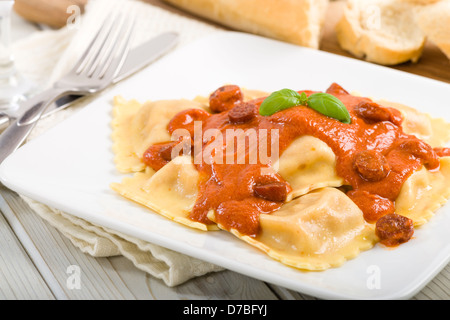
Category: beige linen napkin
[46,56]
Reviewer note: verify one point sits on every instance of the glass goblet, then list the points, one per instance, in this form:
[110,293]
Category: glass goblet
[13,86]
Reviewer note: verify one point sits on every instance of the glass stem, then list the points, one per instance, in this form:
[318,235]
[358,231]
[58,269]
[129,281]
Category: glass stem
[6,57]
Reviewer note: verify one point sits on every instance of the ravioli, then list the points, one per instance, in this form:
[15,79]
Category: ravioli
[434,131]
[137,126]
[424,192]
[171,191]
[308,164]
[316,231]
[315,226]
[125,156]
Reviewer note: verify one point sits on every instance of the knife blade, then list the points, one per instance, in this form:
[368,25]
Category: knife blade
[137,59]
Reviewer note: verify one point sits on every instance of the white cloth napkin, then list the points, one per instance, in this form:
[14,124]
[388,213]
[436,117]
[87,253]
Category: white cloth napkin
[47,55]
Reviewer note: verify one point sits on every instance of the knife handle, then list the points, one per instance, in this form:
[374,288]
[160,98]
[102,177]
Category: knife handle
[18,131]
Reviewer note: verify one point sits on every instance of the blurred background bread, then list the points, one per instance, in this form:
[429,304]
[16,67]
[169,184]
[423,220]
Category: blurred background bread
[388,32]
[52,13]
[434,21]
[391,32]
[423,2]
[380,31]
[295,21]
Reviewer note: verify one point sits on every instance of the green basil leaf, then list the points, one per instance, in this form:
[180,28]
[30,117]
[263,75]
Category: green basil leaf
[330,106]
[279,100]
[304,99]
[324,103]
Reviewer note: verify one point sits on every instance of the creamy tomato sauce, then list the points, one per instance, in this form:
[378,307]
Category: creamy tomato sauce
[373,156]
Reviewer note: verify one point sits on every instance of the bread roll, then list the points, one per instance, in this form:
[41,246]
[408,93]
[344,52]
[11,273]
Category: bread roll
[423,2]
[295,21]
[381,31]
[434,21]
[49,12]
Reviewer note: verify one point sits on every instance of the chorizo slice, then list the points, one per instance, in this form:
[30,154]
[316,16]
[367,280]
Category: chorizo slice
[336,89]
[160,154]
[274,191]
[371,165]
[186,119]
[372,112]
[421,150]
[394,229]
[225,98]
[242,113]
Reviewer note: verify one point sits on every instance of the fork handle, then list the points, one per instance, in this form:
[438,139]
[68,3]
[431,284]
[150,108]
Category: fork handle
[13,136]
[4,121]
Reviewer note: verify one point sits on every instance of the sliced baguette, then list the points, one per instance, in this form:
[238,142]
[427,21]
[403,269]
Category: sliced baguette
[295,21]
[423,2]
[380,31]
[434,21]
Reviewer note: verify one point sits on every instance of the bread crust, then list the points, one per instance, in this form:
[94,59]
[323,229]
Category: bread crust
[364,44]
[295,21]
[434,21]
[422,2]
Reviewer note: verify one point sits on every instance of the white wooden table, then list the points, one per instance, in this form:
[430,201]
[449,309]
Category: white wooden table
[36,262]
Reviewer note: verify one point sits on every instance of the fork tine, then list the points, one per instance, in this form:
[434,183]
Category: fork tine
[121,47]
[108,45]
[94,46]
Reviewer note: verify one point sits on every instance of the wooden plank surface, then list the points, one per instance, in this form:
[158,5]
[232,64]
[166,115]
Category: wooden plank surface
[19,278]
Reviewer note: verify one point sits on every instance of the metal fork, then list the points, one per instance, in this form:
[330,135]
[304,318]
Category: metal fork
[93,72]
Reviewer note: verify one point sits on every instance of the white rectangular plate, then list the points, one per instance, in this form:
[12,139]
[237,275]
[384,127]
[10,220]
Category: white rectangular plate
[71,166]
